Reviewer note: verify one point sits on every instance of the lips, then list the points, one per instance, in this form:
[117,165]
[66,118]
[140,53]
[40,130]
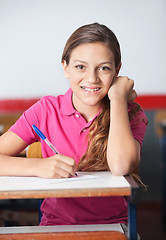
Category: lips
[90,89]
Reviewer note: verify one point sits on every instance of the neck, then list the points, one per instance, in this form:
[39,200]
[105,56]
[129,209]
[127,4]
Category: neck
[88,112]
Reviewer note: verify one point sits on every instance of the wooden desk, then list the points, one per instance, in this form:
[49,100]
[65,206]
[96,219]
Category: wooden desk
[75,232]
[105,184]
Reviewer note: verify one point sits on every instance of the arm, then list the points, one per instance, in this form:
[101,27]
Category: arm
[123,151]
[54,167]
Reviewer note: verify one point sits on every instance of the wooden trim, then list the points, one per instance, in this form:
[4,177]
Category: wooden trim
[106,235]
[99,192]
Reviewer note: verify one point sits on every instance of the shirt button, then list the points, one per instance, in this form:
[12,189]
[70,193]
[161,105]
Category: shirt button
[84,130]
[77,115]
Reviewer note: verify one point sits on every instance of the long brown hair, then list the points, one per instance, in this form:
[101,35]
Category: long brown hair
[95,157]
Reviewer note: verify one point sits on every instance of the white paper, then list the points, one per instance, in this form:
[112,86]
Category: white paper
[91,180]
[38,180]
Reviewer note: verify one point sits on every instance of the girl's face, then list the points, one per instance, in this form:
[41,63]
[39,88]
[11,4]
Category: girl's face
[91,70]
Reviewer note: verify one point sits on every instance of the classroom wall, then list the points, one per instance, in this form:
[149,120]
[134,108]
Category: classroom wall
[33,34]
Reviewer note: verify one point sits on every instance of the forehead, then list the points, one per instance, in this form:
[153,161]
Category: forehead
[90,51]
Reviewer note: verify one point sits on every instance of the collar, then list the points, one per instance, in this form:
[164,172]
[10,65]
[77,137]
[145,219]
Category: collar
[67,106]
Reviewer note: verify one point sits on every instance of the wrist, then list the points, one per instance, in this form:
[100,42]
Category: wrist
[33,167]
[118,101]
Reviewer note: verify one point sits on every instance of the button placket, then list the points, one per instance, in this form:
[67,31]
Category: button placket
[77,115]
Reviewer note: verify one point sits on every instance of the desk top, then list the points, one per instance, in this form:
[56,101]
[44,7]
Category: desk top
[86,184]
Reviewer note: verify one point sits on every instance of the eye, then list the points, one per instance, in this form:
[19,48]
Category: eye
[104,68]
[80,67]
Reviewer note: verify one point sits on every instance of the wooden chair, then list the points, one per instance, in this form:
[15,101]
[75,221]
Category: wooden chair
[34,150]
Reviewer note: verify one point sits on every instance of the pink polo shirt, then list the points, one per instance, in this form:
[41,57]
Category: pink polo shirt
[67,130]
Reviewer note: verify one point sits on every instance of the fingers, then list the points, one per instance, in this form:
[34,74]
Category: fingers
[122,88]
[128,82]
[66,164]
[61,166]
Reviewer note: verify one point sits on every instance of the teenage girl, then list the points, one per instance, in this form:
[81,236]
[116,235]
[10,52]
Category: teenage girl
[95,126]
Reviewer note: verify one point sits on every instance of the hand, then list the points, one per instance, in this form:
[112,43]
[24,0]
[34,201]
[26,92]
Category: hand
[57,166]
[132,96]
[122,88]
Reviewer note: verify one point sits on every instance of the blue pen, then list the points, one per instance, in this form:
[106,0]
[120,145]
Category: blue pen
[43,137]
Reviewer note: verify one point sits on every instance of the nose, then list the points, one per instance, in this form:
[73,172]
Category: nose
[92,76]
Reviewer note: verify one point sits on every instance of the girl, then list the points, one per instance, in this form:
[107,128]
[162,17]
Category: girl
[95,126]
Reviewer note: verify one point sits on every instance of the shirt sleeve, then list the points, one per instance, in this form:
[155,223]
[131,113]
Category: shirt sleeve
[23,126]
[138,126]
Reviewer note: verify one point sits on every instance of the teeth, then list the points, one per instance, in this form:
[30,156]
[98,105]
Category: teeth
[90,89]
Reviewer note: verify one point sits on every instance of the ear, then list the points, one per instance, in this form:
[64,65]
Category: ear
[65,68]
[118,69]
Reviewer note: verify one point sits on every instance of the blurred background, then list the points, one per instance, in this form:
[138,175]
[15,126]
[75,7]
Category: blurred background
[32,36]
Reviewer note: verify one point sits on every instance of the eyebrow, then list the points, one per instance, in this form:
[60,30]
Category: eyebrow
[107,62]
[79,61]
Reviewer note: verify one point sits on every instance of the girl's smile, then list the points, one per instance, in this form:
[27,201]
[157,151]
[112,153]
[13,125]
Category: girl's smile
[91,70]
[90,90]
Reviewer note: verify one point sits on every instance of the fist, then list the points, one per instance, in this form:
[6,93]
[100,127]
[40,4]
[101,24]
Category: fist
[57,166]
[122,88]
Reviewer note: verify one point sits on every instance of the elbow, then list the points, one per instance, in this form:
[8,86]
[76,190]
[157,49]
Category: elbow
[119,171]
[123,162]
[122,168]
